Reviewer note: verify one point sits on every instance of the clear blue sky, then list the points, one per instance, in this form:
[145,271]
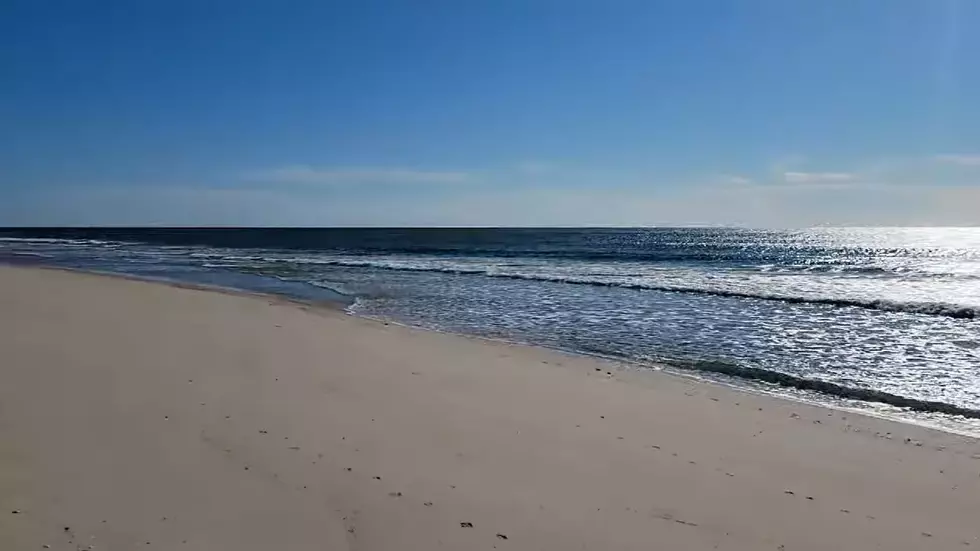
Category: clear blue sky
[495,112]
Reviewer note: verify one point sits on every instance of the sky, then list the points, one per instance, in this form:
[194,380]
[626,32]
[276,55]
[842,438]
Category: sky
[766,113]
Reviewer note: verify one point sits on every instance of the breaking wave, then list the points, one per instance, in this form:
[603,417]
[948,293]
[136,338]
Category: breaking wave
[927,308]
[826,387]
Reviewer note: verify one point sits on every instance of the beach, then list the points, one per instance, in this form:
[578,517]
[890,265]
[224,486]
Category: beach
[136,414]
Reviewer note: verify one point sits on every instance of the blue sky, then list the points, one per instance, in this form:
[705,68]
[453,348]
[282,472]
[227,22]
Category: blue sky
[497,112]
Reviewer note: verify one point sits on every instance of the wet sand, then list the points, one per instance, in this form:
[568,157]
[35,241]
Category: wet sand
[143,415]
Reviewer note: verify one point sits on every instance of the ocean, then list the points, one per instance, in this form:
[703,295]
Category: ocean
[881,319]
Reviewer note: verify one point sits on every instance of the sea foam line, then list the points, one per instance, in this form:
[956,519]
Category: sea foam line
[957,311]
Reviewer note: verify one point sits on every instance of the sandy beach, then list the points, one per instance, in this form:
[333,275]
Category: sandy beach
[142,415]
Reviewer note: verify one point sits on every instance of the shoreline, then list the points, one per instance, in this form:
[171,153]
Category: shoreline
[232,291]
[952,419]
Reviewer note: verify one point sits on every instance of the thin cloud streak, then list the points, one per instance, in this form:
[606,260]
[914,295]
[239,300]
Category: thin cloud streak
[817,177]
[959,159]
[736,180]
[302,174]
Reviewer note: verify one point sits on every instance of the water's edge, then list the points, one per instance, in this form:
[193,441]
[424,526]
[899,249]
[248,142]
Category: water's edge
[328,304]
[746,379]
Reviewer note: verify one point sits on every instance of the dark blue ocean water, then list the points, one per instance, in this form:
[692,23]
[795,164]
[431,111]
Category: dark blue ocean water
[863,316]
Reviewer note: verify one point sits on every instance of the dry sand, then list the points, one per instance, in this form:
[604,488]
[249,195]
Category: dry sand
[136,415]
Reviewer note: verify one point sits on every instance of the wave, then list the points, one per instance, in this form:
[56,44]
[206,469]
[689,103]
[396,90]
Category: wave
[221,258]
[957,311]
[749,255]
[338,288]
[826,387]
[22,254]
[827,262]
[54,241]
[833,262]
[838,269]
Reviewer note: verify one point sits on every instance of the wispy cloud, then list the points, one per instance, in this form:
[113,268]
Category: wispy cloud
[959,159]
[786,163]
[302,174]
[734,179]
[818,177]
